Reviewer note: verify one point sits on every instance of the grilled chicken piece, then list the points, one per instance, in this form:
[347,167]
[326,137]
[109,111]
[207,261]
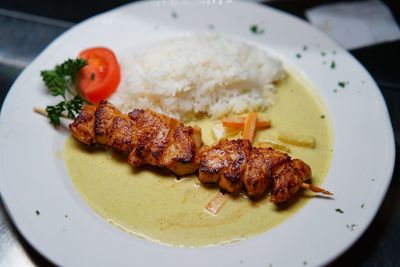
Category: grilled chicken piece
[263,161]
[83,125]
[150,137]
[235,165]
[288,178]
[225,164]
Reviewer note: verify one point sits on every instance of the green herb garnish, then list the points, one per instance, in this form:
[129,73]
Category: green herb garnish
[256,30]
[92,76]
[351,227]
[322,116]
[174,14]
[59,81]
[362,205]
[339,210]
[298,55]
[37,212]
[342,84]
[333,65]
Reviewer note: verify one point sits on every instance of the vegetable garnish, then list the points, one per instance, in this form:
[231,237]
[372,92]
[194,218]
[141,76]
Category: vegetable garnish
[216,203]
[273,144]
[60,82]
[297,140]
[250,126]
[101,76]
[219,131]
[238,122]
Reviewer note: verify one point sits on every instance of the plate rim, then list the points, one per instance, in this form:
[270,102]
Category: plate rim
[74,28]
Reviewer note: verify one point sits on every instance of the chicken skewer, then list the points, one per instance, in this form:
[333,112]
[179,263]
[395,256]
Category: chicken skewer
[149,137]
[155,139]
[236,165]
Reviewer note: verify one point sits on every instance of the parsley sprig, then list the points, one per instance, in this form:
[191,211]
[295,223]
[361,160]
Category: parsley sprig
[59,82]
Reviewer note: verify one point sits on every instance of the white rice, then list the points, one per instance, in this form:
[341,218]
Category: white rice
[202,74]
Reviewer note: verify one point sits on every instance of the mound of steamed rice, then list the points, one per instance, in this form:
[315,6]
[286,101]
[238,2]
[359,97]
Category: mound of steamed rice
[200,74]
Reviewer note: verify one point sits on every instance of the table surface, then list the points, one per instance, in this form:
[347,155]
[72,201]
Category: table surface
[30,31]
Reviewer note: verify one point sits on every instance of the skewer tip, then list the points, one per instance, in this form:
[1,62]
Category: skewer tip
[316,189]
[40,111]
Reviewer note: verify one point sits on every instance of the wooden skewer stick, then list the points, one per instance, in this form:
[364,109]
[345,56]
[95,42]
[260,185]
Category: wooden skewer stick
[315,189]
[43,112]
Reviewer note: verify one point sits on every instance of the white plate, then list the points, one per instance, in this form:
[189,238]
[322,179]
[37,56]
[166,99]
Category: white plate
[34,178]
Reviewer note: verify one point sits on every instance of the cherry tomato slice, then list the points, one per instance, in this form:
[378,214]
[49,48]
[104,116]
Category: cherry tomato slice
[100,78]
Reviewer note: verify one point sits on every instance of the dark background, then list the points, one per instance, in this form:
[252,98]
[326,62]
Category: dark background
[380,244]
[76,11]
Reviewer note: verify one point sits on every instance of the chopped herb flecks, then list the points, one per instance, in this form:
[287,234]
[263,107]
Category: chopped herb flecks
[304,263]
[323,54]
[211,26]
[362,205]
[305,48]
[37,212]
[339,210]
[351,227]
[322,116]
[298,55]
[342,84]
[174,15]
[256,30]
[92,76]
[335,90]
[333,65]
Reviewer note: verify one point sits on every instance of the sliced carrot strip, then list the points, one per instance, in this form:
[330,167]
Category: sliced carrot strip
[250,126]
[216,203]
[238,122]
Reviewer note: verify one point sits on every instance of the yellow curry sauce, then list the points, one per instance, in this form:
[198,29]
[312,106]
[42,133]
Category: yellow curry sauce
[155,205]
